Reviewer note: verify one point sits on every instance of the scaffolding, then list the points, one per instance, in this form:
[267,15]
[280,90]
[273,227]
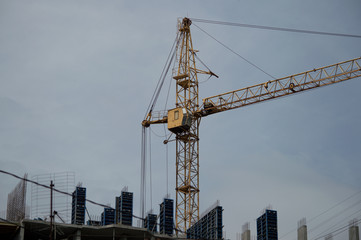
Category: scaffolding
[124,208]
[108,216]
[209,226]
[150,222]
[267,225]
[17,202]
[40,196]
[78,206]
[166,216]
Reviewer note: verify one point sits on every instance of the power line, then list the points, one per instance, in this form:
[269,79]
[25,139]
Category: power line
[337,231]
[88,200]
[324,212]
[334,206]
[56,190]
[274,28]
[338,223]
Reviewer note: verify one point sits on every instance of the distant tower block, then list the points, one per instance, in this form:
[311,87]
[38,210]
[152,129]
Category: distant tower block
[246,233]
[267,226]
[353,231]
[302,230]
[150,222]
[209,226]
[78,206]
[166,217]
[124,208]
[108,216]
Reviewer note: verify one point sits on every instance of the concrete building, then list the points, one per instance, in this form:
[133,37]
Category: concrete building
[78,206]
[353,231]
[267,226]
[108,216]
[124,208]
[150,222]
[246,233]
[302,230]
[35,230]
[166,215]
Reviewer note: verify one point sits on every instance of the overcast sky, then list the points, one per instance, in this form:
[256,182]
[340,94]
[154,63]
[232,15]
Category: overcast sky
[76,78]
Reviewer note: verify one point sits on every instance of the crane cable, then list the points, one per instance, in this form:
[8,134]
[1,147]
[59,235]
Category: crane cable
[274,28]
[152,103]
[143,172]
[164,73]
[224,45]
[150,172]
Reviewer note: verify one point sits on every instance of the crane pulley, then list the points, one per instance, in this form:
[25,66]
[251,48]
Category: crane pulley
[184,119]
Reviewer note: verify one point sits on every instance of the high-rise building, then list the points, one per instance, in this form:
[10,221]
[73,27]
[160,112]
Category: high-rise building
[267,226]
[209,226]
[302,230]
[78,206]
[166,217]
[124,208]
[108,216]
[150,222]
[246,233]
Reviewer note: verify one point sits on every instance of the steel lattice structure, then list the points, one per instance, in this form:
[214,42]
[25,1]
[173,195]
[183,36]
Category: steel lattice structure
[187,142]
[17,202]
[184,120]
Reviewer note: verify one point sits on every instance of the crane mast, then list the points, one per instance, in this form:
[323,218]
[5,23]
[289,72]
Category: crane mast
[187,140]
[184,119]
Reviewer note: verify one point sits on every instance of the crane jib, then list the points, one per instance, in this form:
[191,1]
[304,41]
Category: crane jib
[282,87]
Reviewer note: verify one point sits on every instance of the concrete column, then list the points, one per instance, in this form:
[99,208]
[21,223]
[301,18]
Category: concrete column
[246,235]
[302,233]
[21,233]
[78,235]
[353,233]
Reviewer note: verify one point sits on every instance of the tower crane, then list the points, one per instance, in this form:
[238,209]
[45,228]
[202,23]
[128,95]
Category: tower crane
[184,119]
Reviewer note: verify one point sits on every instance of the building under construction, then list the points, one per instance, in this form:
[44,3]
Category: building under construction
[166,221]
[184,122]
[124,208]
[78,206]
[267,226]
[150,222]
[108,216]
[17,202]
[210,226]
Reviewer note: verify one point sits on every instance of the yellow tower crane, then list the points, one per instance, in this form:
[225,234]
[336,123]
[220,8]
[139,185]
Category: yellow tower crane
[185,118]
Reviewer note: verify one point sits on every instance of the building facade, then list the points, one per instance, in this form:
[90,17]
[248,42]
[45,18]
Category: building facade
[78,206]
[267,226]
[124,208]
